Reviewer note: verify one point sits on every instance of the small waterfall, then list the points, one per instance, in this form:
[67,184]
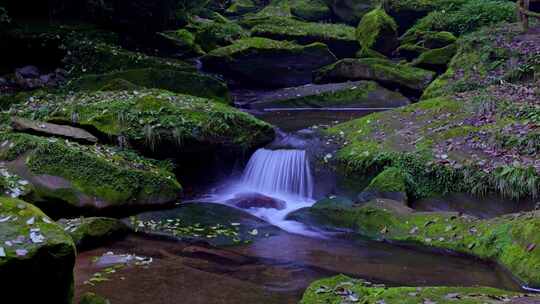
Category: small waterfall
[279,171]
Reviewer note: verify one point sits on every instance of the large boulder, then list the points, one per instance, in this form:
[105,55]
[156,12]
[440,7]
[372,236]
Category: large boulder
[36,255]
[436,59]
[377,31]
[67,178]
[389,184]
[266,62]
[50,129]
[153,121]
[311,10]
[191,83]
[383,71]
[352,11]
[339,38]
[362,94]
[213,35]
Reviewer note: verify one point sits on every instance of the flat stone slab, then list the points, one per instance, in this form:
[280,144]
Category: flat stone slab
[44,128]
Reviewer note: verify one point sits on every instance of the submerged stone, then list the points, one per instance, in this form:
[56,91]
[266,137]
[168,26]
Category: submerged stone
[94,231]
[269,63]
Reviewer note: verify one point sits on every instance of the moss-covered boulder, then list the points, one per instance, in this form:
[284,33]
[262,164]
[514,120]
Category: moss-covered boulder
[510,240]
[390,184]
[253,60]
[240,7]
[34,252]
[88,232]
[191,83]
[215,224]
[383,71]
[365,94]
[180,44]
[67,178]
[213,35]
[92,298]
[378,31]
[341,288]
[154,121]
[410,51]
[436,59]
[352,11]
[339,38]
[310,10]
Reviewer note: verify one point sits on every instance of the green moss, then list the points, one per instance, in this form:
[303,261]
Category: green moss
[276,8]
[46,265]
[212,35]
[436,59]
[505,240]
[328,291]
[310,10]
[184,43]
[240,7]
[92,298]
[94,231]
[377,31]
[381,70]
[113,180]
[390,180]
[191,83]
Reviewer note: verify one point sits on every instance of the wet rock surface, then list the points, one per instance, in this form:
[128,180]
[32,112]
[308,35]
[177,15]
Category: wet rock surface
[256,200]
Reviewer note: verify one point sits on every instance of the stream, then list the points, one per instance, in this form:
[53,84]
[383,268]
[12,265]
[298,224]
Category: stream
[277,268]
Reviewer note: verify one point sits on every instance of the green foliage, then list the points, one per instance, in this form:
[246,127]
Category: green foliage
[469,17]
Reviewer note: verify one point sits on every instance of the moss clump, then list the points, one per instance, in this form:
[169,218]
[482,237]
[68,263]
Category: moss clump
[213,35]
[506,240]
[411,51]
[156,120]
[95,177]
[92,298]
[332,290]
[380,70]
[339,38]
[436,59]
[310,10]
[276,8]
[192,83]
[467,18]
[183,42]
[390,180]
[41,255]
[240,7]
[378,31]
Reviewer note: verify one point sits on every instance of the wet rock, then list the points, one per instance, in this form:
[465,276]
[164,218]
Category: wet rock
[351,11]
[94,231]
[252,60]
[361,94]
[35,254]
[389,184]
[383,71]
[256,200]
[50,129]
[215,224]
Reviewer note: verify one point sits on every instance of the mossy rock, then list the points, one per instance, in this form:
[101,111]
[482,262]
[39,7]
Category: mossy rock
[311,10]
[337,290]
[89,232]
[368,53]
[339,38]
[389,184]
[213,35]
[352,11]
[408,12]
[96,57]
[180,44]
[241,7]
[381,70]
[363,94]
[252,60]
[276,8]
[119,84]
[153,121]
[68,178]
[35,252]
[214,224]
[191,83]
[509,240]
[378,31]
[410,51]
[436,59]
[466,18]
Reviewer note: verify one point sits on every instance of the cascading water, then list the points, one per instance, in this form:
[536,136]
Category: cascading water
[283,175]
[284,172]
